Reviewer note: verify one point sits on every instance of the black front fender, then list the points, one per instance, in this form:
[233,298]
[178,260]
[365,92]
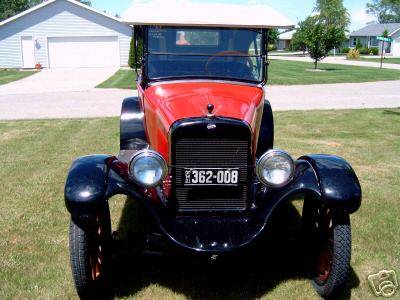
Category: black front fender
[338,184]
[86,186]
[329,180]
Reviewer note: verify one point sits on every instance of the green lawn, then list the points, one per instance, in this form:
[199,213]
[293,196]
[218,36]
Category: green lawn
[288,73]
[34,257]
[123,79]
[387,60]
[294,72]
[7,76]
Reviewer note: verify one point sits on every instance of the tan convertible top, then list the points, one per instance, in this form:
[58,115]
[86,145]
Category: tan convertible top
[201,14]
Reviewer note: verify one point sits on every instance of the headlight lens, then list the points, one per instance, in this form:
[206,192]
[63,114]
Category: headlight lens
[148,168]
[275,168]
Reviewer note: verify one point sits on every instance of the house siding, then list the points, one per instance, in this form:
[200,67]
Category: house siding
[396,44]
[60,18]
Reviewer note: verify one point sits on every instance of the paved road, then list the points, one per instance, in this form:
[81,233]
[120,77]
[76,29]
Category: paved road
[340,60]
[106,103]
[84,104]
[58,80]
[384,94]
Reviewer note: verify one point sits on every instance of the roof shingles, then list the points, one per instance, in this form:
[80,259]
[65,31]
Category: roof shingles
[376,29]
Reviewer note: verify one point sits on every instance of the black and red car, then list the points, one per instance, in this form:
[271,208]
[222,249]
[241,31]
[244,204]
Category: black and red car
[197,149]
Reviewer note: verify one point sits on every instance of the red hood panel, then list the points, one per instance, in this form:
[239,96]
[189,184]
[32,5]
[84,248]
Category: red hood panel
[177,101]
[166,103]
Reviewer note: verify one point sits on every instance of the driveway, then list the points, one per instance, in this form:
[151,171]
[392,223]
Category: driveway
[107,103]
[339,60]
[58,80]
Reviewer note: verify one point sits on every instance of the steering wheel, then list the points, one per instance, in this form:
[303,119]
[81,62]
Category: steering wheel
[238,54]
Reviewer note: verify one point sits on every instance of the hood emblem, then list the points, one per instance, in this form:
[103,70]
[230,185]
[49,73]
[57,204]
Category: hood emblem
[211,126]
[210,109]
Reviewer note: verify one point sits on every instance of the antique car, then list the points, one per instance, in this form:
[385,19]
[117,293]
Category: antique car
[197,149]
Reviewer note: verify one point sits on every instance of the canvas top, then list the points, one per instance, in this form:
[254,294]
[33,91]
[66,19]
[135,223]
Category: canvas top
[204,14]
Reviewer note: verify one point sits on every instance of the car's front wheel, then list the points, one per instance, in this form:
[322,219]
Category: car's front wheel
[89,253]
[329,233]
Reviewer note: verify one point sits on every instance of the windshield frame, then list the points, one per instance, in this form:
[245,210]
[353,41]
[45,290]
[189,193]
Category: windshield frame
[263,55]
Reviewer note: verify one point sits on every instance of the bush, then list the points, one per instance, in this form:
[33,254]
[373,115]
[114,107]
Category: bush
[368,51]
[359,45]
[272,47]
[353,54]
[131,61]
[345,50]
[374,51]
[364,51]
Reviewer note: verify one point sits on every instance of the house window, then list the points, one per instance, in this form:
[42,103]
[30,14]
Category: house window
[354,42]
[374,42]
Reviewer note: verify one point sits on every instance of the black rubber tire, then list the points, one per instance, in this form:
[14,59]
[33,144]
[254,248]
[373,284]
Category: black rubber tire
[82,239]
[341,253]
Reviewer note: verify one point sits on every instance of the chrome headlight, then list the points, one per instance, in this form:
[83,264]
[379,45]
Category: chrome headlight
[148,168]
[275,168]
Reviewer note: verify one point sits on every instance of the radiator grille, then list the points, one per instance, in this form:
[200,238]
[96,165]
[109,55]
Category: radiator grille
[211,153]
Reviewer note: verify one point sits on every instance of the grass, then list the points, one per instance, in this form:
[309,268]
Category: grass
[34,258]
[288,73]
[7,76]
[123,79]
[295,73]
[387,60]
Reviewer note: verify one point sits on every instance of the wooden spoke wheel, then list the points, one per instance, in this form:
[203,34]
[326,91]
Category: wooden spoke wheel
[89,253]
[329,244]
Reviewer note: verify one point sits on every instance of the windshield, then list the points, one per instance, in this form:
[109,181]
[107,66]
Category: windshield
[234,54]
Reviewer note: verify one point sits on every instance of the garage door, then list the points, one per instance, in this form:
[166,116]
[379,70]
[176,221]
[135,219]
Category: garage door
[83,52]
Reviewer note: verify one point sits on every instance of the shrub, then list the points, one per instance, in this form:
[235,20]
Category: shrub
[374,51]
[364,51]
[353,54]
[131,61]
[359,45]
[272,47]
[345,50]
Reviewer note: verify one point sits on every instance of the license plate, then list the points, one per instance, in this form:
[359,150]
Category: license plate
[211,176]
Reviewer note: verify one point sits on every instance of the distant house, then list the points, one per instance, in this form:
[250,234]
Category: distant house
[284,40]
[64,34]
[368,37]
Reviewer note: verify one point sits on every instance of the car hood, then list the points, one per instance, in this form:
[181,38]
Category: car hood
[166,103]
[176,101]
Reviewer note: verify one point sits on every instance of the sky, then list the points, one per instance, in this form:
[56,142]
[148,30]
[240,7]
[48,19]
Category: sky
[296,10]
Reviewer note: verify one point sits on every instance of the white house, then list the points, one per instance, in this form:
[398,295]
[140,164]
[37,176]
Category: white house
[284,40]
[64,34]
[368,37]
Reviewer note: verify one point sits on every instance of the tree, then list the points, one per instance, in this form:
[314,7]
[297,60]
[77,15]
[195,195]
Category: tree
[386,11]
[298,40]
[9,8]
[359,45]
[333,13]
[385,33]
[273,36]
[320,38]
[139,52]
[324,30]
[36,2]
